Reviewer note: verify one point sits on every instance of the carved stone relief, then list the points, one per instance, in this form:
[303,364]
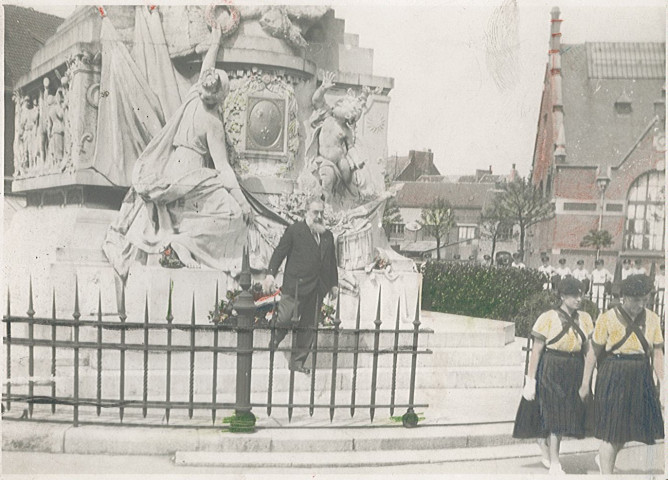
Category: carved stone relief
[48,121]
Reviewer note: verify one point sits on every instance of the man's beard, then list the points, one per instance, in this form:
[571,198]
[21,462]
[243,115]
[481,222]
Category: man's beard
[318,228]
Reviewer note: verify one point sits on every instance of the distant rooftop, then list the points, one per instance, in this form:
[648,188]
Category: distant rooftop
[460,195]
[595,78]
[626,60]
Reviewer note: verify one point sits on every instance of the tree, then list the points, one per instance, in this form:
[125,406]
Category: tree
[598,239]
[437,220]
[523,204]
[492,223]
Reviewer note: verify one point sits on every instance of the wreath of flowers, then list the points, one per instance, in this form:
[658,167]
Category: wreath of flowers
[225,315]
[231,26]
[236,103]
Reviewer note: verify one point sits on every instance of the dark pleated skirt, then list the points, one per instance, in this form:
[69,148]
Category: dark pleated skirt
[559,377]
[626,405]
[527,420]
[557,408]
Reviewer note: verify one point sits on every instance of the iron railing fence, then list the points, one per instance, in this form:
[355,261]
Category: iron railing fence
[114,365]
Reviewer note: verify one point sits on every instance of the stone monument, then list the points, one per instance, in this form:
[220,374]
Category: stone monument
[115,98]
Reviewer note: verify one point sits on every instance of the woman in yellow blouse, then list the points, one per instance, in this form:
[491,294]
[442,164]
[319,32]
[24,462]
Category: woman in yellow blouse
[626,340]
[555,373]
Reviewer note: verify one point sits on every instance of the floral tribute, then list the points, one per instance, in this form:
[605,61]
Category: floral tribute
[266,308]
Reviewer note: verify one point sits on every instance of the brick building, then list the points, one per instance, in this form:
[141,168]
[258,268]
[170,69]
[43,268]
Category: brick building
[600,148]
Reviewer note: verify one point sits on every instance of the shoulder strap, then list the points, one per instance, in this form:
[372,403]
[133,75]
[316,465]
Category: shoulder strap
[631,327]
[569,323]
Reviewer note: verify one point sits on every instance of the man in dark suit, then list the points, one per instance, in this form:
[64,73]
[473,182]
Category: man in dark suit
[310,274]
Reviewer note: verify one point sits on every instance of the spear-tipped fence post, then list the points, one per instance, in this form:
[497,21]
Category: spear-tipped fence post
[335,358]
[214,386]
[31,350]
[122,315]
[99,352]
[191,382]
[410,418]
[8,346]
[243,419]
[356,352]
[76,315]
[376,343]
[145,383]
[395,358]
[53,348]
[168,373]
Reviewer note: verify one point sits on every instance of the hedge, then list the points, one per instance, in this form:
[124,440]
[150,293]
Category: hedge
[500,293]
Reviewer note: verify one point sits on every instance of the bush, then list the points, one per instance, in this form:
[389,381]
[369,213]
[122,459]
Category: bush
[478,291]
[502,293]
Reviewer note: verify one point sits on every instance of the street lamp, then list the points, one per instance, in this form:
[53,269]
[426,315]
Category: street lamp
[602,182]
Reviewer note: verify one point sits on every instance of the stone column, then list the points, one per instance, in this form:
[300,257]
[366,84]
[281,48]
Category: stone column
[83,97]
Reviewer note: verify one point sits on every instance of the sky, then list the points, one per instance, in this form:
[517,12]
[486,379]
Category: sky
[468,74]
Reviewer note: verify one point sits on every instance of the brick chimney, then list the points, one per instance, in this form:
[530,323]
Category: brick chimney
[555,87]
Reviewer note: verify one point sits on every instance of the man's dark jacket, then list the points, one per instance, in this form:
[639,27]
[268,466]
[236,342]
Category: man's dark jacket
[308,264]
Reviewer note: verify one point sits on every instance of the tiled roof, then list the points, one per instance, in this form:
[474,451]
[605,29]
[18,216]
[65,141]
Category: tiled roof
[421,163]
[394,165]
[460,195]
[595,133]
[626,60]
[26,31]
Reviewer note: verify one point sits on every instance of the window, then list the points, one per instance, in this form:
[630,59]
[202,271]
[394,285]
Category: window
[591,207]
[397,229]
[645,216]
[504,232]
[466,232]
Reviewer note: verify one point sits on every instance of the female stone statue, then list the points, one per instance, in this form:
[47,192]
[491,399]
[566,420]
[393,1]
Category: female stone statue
[185,194]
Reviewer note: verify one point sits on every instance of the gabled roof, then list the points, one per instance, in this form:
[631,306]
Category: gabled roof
[594,76]
[460,195]
[26,31]
[394,165]
[421,163]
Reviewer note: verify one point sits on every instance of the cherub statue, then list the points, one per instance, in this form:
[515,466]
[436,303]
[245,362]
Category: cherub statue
[331,151]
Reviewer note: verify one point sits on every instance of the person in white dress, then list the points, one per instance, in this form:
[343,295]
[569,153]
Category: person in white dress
[562,270]
[638,269]
[660,287]
[547,270]
[626,268]
[599,277]
[580,273]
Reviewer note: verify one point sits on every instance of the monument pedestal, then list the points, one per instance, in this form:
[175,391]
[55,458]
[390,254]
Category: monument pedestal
[403,290]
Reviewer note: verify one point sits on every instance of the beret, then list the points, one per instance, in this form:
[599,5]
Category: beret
[636,286]
[570,286]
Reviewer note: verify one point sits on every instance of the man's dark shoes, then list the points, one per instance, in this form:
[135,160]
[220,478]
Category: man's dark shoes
[300,369]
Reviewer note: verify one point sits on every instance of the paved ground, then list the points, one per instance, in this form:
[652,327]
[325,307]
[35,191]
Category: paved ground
[637,462]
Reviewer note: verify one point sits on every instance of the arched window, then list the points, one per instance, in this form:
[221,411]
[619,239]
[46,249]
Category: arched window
[645,216]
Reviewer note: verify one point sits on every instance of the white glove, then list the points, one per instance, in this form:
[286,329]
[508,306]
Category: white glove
[529,391]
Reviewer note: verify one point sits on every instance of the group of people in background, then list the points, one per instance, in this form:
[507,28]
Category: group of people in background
[625,345]
[597,284]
